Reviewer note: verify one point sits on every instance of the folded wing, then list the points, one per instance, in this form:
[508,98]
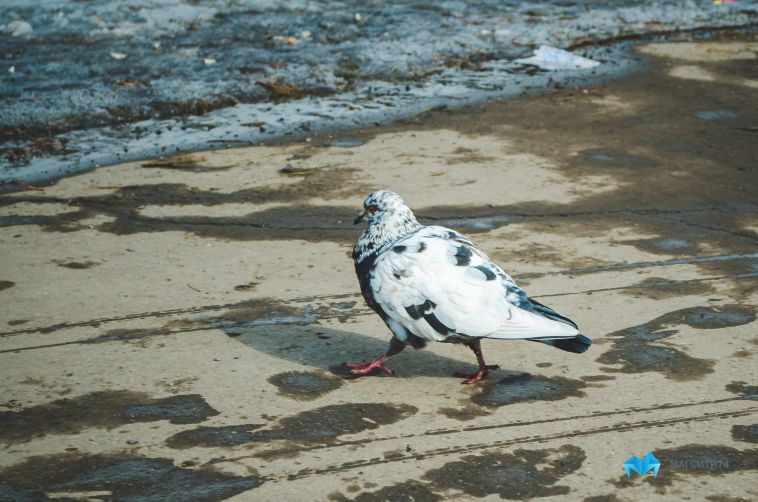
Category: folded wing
[437,285]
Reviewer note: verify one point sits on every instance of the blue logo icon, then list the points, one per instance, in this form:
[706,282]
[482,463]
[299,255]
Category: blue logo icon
[642,465]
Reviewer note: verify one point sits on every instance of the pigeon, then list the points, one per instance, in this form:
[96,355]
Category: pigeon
[432,284]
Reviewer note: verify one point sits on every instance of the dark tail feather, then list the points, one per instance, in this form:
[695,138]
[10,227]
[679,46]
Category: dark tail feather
[577,344]
[546,311]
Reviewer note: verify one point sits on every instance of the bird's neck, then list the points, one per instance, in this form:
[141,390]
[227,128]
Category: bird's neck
[381,235]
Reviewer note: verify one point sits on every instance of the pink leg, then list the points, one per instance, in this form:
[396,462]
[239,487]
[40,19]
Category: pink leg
[365,368]
[473,378]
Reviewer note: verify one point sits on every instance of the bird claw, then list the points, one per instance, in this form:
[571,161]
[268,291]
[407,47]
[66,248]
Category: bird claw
[479,375]
[365,368]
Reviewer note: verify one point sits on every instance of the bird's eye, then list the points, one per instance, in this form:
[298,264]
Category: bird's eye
[371,209]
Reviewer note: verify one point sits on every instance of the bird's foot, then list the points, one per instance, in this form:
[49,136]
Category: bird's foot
[479,375]
[365,368]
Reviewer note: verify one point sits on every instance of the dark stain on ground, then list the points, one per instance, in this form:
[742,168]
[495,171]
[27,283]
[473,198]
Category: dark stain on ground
[229,435]
[100,409]
[523,474]
[6,285]
[743,390]
[304,385]
[745,433]
[185,162]
[407,491]
[321,425]
[659,288]
[464,412]
[695,460]
[597,378]
[668,246]
[614,158]
[635,349]
[526,387]
[610,497]
[126,477]
[76,265]
[124,205]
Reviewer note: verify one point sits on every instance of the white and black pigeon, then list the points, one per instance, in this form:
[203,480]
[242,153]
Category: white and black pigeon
[433,284]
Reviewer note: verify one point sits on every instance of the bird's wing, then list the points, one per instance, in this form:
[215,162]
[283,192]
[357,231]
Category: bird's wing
[437,284]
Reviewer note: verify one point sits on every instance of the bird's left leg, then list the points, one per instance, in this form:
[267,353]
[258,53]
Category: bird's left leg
[483,367]
[364,368]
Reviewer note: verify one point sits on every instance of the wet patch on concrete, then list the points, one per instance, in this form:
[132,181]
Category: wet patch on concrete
[346,142]
[672,245]
[321,425]
[745,433]
[523,474]
[304,385]
[635,349]
[716,114]
[610,497]
[407,491]
[526,387]
[694,460]
[187,162]
[597,378]
[229,435]
[611,157]
[464,412]
[6,285]
[743,390]
[105,409]
[123,477]
[659,288]
[76,265]
[124,206]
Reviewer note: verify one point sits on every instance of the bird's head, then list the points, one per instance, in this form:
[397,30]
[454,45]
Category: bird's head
[384,206]
[389,219]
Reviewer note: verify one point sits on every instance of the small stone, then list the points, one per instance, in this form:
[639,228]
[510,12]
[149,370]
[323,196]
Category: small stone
[131,441]
[131,249]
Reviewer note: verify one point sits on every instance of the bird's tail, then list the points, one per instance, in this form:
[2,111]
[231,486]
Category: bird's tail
[576,344]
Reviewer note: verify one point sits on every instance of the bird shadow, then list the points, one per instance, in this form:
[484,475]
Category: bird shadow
[327,348]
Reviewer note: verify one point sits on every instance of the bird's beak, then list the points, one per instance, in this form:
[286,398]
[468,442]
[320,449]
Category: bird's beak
[360,217]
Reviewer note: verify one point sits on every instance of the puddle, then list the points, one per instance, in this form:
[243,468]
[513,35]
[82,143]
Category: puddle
[634,348]
[6,285]
[124,477]
[304,385]
[346,142]
[106,409]
[479,224]
[320,425]
[525,387]
[745,433]
[613,158]
[716,114]
[523,474]
[407,491]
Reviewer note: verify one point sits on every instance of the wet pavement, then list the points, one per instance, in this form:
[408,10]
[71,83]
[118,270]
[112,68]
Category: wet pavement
[169,325]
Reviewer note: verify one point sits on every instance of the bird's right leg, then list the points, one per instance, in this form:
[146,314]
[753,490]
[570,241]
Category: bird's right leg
[364,368]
